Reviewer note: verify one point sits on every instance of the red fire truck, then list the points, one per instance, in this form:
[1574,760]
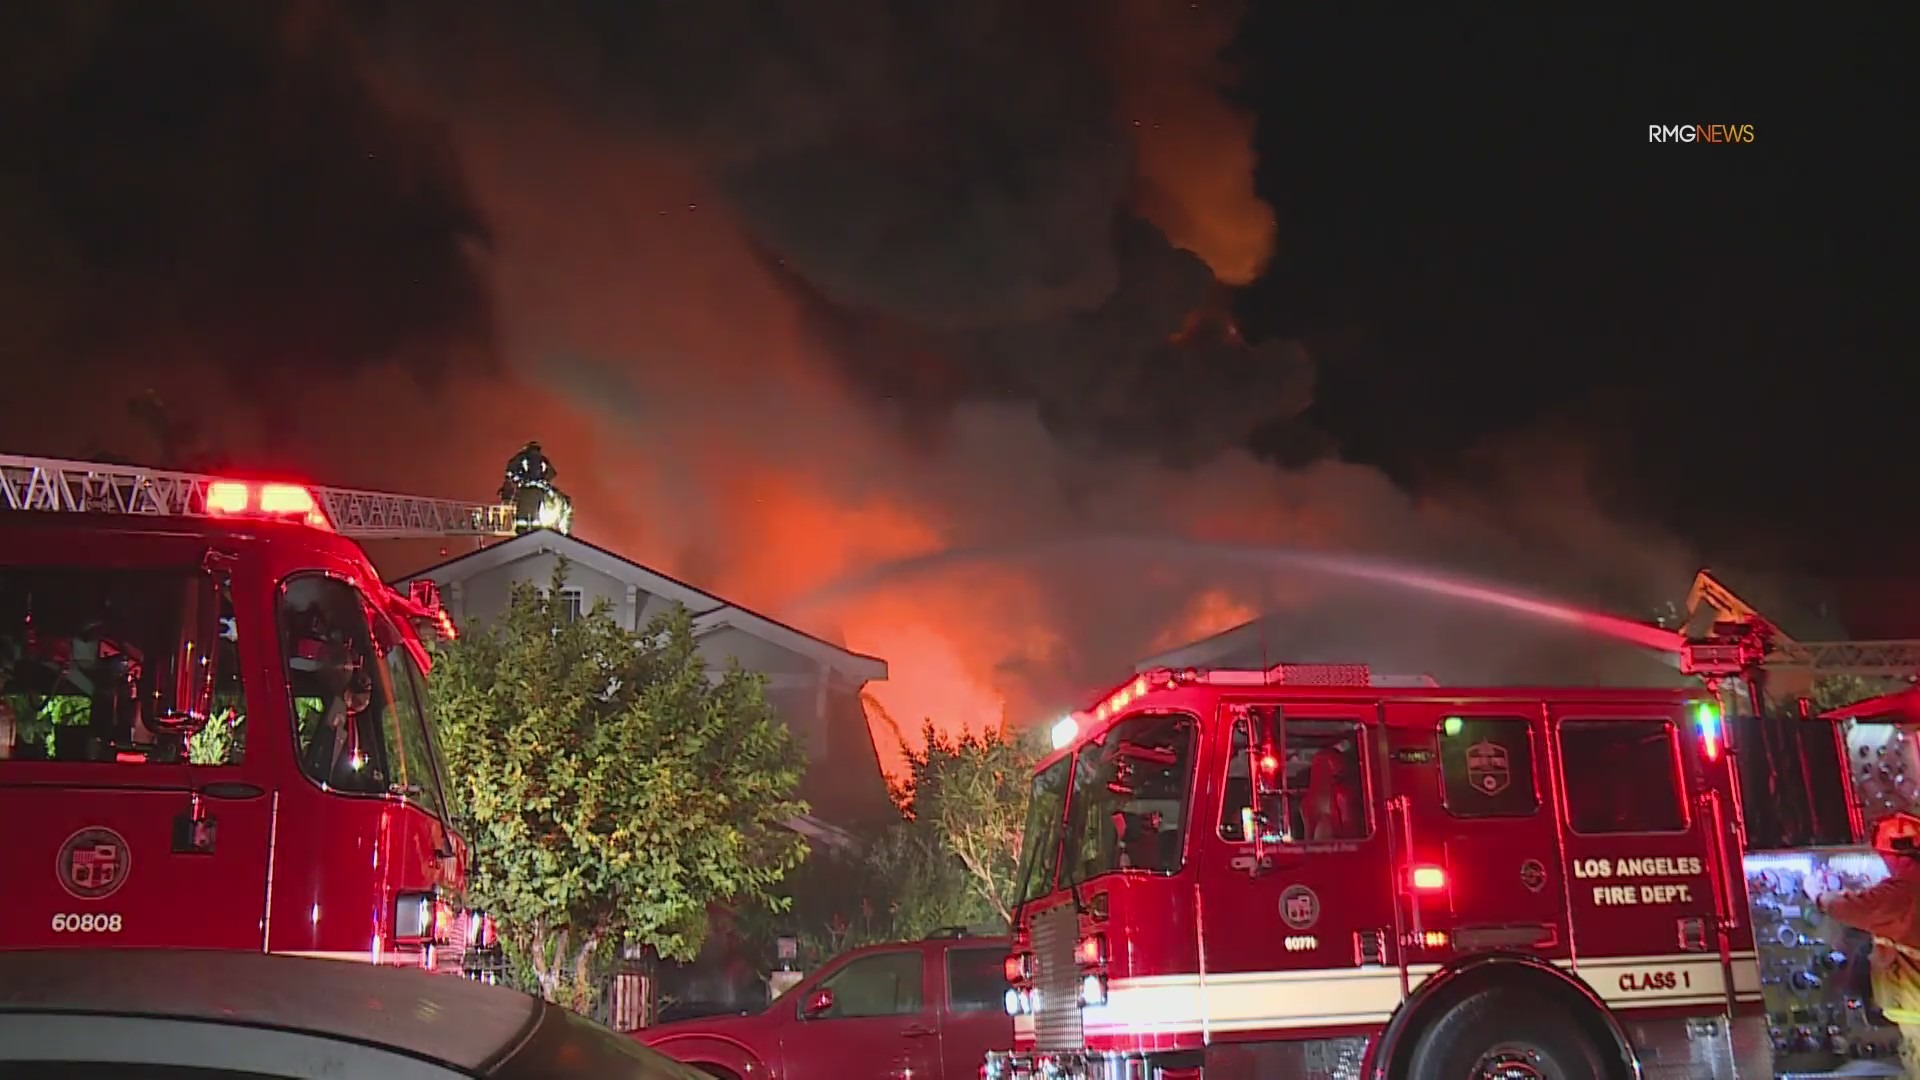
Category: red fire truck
[1311,871]
[214,727]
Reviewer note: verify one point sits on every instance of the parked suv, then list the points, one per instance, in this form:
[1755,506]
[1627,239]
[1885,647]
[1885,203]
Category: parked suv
[927,1009]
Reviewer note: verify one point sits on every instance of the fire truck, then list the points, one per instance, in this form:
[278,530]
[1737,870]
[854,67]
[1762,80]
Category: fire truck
[1317,871]
[1306,871]
[215,730]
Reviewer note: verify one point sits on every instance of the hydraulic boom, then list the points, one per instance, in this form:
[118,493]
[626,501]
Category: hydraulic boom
[55,485]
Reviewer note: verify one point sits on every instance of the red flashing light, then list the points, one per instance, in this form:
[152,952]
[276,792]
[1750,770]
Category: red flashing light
[286,499]
[233,498]
[1269,763]
[227,497]
[1015,968]
[1429,879]
[1093,950]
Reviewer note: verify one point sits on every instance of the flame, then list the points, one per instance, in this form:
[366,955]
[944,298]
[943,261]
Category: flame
[700,432]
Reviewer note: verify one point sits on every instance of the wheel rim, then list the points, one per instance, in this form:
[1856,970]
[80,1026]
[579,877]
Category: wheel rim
[1511,1061]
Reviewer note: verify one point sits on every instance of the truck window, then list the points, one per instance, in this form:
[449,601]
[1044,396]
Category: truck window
[1622,776]
[1325,784]
[342,698]
[1128,808]
[976,980]
[416,767]
[81,650]
[1040,841]
[883,984]
[1486,766]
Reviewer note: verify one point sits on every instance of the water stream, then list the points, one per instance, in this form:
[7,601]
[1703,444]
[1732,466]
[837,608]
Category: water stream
[1365,568]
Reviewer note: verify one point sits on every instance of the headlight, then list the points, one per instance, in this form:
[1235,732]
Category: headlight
[1093,990]
[413,916]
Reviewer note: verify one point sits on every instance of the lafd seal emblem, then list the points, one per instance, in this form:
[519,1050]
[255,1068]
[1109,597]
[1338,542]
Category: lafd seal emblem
[1488,769]
[1299,907]
[1533,874]
[93,863]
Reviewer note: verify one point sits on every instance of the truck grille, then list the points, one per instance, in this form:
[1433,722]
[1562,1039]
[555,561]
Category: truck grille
[1056,1023]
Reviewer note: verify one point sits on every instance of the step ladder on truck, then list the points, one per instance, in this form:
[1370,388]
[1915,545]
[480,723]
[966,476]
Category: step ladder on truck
[1315,871]
[214,731]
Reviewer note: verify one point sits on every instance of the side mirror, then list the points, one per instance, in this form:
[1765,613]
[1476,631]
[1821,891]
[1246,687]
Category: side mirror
[180,701]
[1266,772]
[818,1004]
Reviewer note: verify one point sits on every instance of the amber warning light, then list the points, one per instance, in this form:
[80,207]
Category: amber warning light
[283,502]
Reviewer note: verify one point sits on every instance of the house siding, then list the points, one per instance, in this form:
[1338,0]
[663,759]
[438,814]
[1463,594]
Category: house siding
[821,706]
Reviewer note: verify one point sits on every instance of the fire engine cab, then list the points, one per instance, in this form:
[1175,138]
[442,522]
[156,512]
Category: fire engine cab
[1313,871]
[214,723]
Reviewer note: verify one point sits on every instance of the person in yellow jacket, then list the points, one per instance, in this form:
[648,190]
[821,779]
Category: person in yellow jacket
[1890,911]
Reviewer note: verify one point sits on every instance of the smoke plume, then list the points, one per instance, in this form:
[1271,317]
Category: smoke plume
[790,290]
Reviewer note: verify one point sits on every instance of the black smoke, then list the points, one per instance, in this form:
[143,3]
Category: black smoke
[217,182]
[944,185]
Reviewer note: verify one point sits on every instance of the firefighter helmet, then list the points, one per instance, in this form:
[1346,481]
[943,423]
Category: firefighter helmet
[1897,833]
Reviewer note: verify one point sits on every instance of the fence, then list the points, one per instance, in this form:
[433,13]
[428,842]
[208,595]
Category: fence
[625,1000]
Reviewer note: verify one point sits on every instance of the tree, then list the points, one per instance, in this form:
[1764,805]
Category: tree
[1838,691]
[611,791]
[949,860]
[968,796]
[955,856]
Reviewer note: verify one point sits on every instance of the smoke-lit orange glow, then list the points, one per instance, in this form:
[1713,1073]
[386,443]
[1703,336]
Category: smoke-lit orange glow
[931,681]
[1210,613]
[954,646]
[1193,148]
[804,536]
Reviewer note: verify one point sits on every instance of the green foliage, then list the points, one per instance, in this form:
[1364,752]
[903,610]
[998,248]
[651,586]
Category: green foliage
[1839,691]
[223,740]
[37,716]
[966,803]
[610,790]
[949,860]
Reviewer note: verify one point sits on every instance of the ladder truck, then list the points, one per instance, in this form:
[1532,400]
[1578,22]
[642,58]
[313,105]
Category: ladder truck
[214,731]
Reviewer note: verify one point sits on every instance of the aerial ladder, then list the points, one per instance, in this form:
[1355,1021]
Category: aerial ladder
[57,485]
[1745,659]
[1893,659]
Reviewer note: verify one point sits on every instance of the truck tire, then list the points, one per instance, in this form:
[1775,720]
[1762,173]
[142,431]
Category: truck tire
[1505,1034]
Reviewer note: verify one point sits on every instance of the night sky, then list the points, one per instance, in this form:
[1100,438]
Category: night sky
[1473,221]
[794,290]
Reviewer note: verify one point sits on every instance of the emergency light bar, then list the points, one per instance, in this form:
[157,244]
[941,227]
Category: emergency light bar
[60,486]
[1706,721]
[1066,729]
[269,502]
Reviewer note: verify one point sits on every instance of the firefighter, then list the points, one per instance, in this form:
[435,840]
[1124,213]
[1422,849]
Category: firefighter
[335,754]
[1890,911]
[527,468]
[1329,811]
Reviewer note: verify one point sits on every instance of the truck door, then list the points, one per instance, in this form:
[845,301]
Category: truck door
[975,1018]
[1482,867]
[1639,859]
[116,834]
[1307,944]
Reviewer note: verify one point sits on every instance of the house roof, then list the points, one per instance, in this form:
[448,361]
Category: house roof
[1208,651]
[710,613]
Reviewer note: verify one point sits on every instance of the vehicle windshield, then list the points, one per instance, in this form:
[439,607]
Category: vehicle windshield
[1130,795]
[84,654]
[1040,844]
